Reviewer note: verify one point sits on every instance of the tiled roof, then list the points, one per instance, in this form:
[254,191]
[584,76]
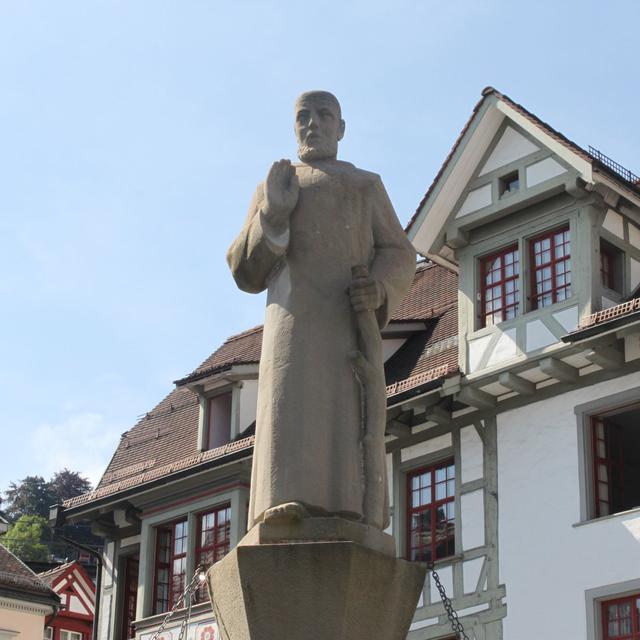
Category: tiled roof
[426,356]
[556,135]
[164,441]
[433,289]
[16,576]
[243,348]
[612,313]
[167,433]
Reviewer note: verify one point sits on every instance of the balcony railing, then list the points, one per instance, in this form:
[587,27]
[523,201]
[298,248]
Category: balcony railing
[614,166]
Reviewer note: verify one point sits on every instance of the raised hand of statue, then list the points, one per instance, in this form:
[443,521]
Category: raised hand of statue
[281,194]
[366,294]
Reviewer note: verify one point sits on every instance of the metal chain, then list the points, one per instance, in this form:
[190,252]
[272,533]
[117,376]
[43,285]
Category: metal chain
[188,592]
[456,625]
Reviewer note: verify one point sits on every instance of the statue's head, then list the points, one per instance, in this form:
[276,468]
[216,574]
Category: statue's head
[318,125]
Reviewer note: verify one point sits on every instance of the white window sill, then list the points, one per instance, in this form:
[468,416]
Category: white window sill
[620,514]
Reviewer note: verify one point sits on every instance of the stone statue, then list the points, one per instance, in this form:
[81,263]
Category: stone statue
[322,237]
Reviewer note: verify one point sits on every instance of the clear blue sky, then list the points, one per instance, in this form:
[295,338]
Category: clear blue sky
[132,135]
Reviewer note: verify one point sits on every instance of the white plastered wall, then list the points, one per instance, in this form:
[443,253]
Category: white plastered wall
[547,563]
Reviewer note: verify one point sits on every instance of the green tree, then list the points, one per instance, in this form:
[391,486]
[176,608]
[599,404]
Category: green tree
[32,496]
[29,497]
[67,484]
[25,538]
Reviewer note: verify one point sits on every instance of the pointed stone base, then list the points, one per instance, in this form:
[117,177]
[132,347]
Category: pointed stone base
[313,591]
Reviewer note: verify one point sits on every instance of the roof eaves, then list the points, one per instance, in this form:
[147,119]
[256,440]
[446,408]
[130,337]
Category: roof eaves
[161,475]
[206,373]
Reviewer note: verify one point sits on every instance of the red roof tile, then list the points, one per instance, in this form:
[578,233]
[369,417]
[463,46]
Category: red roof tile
[243,348]
[16,576]
[612,313]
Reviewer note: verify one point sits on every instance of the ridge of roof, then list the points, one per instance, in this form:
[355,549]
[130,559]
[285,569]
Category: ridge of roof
[51,574]
[554,133]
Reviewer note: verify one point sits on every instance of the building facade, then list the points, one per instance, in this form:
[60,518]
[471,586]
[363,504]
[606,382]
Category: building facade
[513,396]
[25,600]
[77,593]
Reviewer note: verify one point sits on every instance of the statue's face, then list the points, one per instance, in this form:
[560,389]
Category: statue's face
[318,127]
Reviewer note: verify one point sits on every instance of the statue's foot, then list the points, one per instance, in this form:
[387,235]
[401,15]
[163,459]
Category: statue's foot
[289,511]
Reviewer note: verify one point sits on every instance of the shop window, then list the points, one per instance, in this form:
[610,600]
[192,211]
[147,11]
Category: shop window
[218,420]
[621,618]
[213,541]
[70,635]
[430,521]
[615,449]
[550,268]
[499,289]
[171,565]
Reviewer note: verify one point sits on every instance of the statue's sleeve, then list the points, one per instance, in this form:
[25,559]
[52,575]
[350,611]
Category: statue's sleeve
[394,258]
[257,250]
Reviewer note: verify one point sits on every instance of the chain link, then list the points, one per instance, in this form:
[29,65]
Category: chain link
[456,625]
[188,593]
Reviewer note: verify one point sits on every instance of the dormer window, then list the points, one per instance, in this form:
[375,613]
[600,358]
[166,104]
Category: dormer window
[509,183]
[218,420]
[499,294]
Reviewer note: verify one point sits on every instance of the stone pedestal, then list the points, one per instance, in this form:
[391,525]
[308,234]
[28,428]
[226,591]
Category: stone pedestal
[313,591]
[327,529]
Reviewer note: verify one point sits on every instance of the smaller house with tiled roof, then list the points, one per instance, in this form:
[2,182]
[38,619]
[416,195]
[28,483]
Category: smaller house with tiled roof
[513,404]
[77,593]
[25,599]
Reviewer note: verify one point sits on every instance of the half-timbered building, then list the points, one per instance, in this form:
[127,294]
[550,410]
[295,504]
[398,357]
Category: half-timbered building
[513,372]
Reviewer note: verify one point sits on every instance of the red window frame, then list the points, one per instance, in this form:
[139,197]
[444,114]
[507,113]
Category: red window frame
[172,541]
[621,618]
[213,539]
[499,286]
[606,267]
[608,466]
[430,522]
[550,255]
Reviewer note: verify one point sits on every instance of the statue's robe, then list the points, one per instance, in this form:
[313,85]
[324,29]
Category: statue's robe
[309,402]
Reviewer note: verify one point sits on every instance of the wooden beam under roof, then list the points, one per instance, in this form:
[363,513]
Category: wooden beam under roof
[515,383]
[559,370]
[476,398]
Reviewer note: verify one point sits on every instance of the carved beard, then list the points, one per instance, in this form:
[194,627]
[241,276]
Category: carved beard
[318,152]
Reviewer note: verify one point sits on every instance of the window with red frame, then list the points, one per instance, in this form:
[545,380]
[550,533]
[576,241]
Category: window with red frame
[616,461]
[431,513]
[611,266]
[621,618]
[171,565]
[550,268]
[214,528]
[499,274]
